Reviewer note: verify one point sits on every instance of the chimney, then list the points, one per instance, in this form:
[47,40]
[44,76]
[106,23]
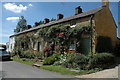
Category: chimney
[105,3]
[78,10]
[46,20]
[59,16]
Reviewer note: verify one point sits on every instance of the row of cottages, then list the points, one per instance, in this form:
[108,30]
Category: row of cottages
[101,21]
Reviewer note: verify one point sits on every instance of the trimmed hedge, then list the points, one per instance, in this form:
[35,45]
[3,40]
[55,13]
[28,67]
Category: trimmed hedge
[101,60]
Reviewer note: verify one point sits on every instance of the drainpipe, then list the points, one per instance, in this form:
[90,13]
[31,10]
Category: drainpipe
[92,33]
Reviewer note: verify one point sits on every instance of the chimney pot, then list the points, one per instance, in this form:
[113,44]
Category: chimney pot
[46,20]
[105,3]
[78,10]
[59,16]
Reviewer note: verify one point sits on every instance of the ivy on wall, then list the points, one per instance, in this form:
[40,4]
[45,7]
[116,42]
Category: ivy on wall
[59,35]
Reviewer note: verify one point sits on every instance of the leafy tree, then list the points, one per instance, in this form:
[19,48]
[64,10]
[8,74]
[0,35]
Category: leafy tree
[21,25]
[29,26]
[41,22]
[36,24]
[52,19]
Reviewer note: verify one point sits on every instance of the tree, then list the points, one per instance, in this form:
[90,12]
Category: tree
[29,26]
[21,25]
[41,22]
[52,19]
[36,24]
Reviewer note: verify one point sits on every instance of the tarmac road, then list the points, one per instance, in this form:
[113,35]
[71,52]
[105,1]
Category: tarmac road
[12,69]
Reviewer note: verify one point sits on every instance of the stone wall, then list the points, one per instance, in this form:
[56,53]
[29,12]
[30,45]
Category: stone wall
[105,26]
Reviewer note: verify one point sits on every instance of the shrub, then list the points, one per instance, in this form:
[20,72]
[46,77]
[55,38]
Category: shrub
[13,53]
[39,55]
[17,52]
[82,61]
[57,56]
[75,60]
[50,60]
[29,54]
[68,60]
[101,60]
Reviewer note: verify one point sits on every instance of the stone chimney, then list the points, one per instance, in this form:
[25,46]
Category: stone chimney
[78,10]
[59,16]
[46,20]
[105,3]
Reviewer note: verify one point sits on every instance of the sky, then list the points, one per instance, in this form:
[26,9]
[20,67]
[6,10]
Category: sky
[36,11]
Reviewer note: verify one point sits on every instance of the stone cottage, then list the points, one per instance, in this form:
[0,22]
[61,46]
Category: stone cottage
[101,21]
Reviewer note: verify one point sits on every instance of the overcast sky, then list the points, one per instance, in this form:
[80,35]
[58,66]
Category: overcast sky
[36,11]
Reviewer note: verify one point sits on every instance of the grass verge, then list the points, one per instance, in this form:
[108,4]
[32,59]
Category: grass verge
[22,61]
[59,69]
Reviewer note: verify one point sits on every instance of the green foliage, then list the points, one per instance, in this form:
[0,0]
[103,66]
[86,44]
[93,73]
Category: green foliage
[75,60]
[52,19]
[17,30]
[23,60]
[53,31]
[21,25]
[58,69]
[39,55]
[41,22]
[36,24]
[13,53]
[76,31]
[101,60]
[50,60]
[24,42]
[29,54]
[42,32]
[59,34]
[80,61]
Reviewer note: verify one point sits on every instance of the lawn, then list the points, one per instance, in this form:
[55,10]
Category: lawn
[59,69]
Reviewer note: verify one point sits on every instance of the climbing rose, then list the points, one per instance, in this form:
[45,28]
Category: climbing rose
[61,34]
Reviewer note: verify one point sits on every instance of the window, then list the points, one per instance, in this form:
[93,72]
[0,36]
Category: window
[39,47]
[73,23]
[11,46]
[72,46]
[35,46]
[22,45]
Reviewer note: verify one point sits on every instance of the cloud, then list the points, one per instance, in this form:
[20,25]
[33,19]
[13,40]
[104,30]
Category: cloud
[30,5]
[15,8]
[13,19]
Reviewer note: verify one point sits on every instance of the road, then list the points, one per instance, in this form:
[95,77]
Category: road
[12,69]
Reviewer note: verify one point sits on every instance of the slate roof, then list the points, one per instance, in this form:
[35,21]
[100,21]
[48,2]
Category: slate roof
[84,14]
